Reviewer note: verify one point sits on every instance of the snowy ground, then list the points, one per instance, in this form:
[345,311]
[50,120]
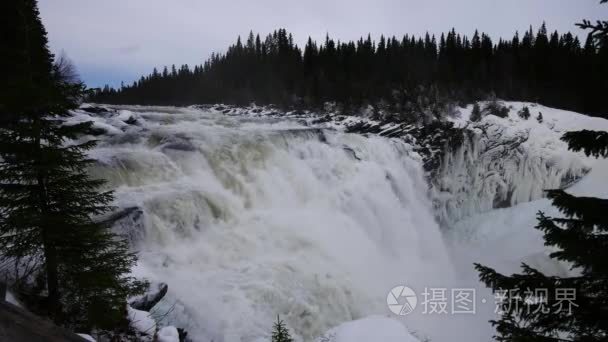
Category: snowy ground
[503,238]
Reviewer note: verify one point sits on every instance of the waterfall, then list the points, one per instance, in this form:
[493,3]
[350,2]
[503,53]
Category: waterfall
[247,218]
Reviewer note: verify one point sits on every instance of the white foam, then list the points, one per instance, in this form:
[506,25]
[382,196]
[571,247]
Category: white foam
[273,219]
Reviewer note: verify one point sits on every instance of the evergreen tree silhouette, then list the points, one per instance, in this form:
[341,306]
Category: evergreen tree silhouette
[524,113]
[47,200]
[280,332]
[476,113]
[539,118]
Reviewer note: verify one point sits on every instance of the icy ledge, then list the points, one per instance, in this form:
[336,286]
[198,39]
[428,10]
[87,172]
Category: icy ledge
[505,161]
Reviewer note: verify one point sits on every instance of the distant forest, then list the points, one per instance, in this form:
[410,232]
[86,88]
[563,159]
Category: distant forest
[552,69]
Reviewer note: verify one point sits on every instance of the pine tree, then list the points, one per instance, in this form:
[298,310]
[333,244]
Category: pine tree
[476,113]
[581,239]
[594,143]
[599,30]
[539,118]
[494,107]
[22,40]
[280,332]
[524,113]
[47,201]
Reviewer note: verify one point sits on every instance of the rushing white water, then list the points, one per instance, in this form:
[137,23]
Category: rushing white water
[250,217]
[247,219]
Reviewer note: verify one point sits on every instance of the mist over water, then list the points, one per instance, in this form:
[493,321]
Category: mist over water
[250,218]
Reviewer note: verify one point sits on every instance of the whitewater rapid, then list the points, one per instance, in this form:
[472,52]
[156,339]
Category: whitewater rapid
[250,218]
[247,215]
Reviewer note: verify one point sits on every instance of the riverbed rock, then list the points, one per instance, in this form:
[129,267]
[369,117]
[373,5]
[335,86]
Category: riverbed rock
[146,302]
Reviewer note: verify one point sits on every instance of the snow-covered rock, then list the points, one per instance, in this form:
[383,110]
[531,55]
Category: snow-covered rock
[373,328]
[100,126]
[142,323]
[127,116]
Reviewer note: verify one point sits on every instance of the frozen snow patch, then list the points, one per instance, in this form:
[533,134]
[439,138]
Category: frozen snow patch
[87,337]
[142,322]
[373,328]
[168,334]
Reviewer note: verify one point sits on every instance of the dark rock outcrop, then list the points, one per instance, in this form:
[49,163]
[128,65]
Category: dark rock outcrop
[131,121]
[127,222]
[431,141]
[95,110]
[146,302]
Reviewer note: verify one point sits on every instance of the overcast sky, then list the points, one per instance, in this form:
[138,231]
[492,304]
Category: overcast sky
[119,40]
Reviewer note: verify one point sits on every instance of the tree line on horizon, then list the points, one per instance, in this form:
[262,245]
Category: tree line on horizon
[549,68]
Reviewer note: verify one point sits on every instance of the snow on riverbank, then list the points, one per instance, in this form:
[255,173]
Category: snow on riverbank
[503,238]
[374,328]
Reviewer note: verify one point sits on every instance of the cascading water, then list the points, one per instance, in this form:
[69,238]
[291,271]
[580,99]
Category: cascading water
[247,218]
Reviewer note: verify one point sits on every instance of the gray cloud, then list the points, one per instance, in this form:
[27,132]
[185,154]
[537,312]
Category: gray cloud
[130,37]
